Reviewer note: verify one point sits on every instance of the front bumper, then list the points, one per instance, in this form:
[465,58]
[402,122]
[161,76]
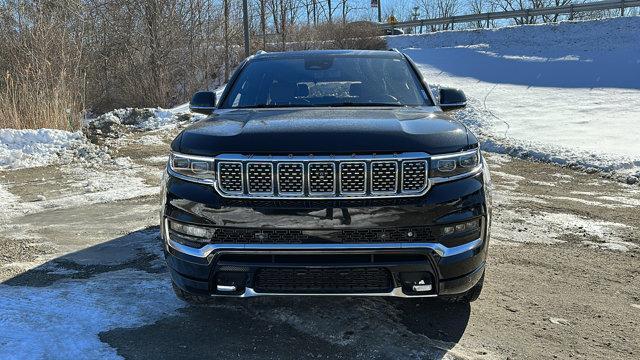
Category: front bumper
[453,266]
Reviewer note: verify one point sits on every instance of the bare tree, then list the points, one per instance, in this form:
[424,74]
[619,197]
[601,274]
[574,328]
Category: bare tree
[510,5]
[481,7]
[440,9]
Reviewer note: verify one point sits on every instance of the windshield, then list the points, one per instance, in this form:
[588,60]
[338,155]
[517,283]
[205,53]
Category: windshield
[326,81]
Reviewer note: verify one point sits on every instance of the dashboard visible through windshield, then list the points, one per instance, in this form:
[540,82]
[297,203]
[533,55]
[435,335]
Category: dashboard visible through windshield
[326,81]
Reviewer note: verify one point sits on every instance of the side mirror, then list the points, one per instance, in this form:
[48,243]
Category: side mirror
[451,99]
[203,102]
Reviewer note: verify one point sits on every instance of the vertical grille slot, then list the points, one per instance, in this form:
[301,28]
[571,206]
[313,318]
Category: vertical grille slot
[322,179]
[353,177]
[290,178]
[384,176]
[414,175]
[260,177]
[230,175]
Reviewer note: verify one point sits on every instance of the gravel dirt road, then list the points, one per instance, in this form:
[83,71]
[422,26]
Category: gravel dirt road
[82,275]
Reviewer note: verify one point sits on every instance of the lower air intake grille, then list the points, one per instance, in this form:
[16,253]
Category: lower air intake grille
[322,280]
[227,235]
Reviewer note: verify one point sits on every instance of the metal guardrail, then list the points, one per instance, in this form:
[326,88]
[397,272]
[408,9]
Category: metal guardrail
[554,10]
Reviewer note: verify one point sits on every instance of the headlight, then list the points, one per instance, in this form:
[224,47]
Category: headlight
[197,168]
[444,166]
[191,230]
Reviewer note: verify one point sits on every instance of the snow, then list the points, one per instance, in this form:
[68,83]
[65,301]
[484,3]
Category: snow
[119,179]
[566,93]
[151,140]
[41,147]
[558,227]
[71,313]
[142,119]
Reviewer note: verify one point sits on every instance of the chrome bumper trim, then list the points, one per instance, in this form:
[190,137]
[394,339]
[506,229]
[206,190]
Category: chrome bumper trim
[206,250]
[396,292]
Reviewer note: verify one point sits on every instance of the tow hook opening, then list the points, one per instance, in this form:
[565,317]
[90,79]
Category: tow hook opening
[228,282]
[417,283]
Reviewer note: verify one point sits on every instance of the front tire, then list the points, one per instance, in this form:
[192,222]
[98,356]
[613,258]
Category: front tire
[470,296]
[190,298]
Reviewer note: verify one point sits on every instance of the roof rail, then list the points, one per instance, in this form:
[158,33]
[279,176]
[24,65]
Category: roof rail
[260,52]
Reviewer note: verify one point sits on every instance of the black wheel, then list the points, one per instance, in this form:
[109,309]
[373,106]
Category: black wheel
[190,298]
[470,296]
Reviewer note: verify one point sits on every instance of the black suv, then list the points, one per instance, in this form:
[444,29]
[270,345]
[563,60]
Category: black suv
[327,173]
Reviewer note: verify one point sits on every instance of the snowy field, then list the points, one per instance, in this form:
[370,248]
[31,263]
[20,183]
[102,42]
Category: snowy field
[567,93]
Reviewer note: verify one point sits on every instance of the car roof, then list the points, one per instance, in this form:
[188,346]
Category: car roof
[313,53]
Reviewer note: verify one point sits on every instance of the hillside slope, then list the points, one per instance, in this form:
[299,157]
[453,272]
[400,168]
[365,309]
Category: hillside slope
[567,93]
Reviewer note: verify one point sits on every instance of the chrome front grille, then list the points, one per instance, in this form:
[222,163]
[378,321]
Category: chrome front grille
[322,177]
[414,175]
[353,177]
[291,178]
[384,176]
[230,177]
[260,178]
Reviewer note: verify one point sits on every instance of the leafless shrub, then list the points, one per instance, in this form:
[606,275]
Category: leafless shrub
[41,55]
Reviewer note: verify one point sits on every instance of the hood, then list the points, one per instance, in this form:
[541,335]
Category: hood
[326,131]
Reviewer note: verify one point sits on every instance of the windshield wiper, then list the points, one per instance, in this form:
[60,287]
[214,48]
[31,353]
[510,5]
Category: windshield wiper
[342,104]
[267,106]
[347,104]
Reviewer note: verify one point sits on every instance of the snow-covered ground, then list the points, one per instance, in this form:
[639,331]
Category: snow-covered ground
[42,147]
[567,93]
[31,148]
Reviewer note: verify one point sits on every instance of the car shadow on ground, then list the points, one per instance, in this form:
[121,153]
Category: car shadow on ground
[264,328]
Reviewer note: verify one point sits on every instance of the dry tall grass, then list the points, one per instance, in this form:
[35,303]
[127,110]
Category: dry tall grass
[61,58]
[29,101]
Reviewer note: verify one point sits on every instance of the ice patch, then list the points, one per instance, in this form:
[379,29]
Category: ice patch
[6,197]
[161,159]
[515,226]
[578,200]
[622,246]
[117,181]
[622,200]
[559,321]
[151,140]
[71,313]
[562,176]
[587,193]
[542,183]
[509,177]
